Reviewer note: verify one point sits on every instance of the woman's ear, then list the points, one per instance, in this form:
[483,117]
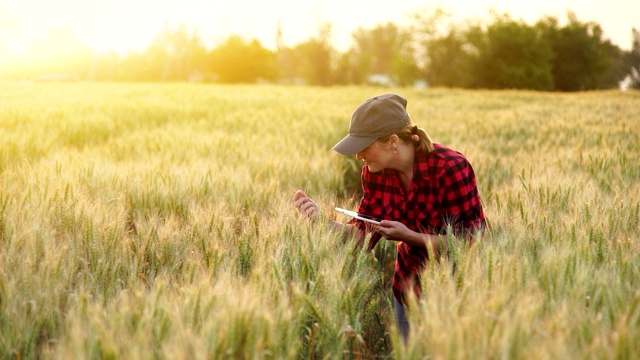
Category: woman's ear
[394,141]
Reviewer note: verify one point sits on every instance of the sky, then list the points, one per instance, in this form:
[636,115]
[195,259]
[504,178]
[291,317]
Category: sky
[129,25]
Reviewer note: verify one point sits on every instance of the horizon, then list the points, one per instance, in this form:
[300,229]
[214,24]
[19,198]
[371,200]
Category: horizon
[138,22]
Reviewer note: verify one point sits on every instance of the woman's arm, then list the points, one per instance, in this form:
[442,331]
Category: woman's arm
[436,245]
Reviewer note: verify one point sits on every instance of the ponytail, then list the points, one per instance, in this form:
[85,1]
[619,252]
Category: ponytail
[417,136]
[423,142]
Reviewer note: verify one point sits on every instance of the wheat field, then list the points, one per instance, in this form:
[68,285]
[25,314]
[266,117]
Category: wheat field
[155,221]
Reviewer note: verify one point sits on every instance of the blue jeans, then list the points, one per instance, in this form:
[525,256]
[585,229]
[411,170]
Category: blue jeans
[401,320]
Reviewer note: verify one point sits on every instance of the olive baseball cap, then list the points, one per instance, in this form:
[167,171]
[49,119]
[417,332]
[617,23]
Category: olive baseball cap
[378,116]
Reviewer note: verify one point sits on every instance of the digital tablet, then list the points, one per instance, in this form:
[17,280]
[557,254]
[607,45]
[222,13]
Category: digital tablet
[355,215]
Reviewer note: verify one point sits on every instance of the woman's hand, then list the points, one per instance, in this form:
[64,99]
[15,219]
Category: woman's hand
[395,230]
[305,205]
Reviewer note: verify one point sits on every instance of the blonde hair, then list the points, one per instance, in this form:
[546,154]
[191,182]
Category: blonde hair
[423,145]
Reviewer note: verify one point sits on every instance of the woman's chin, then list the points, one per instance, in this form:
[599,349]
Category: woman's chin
[373,168]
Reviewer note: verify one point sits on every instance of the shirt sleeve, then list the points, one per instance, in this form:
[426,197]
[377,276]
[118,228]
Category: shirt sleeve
[462,207]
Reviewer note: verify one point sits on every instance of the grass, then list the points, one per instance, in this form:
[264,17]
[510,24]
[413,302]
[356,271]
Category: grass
[155,221]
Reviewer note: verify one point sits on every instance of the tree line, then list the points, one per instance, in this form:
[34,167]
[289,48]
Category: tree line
[502,53]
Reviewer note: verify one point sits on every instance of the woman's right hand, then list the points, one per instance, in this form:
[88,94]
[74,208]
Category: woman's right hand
[305,205]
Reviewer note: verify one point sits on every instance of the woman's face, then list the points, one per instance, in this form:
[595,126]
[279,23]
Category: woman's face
[376,156]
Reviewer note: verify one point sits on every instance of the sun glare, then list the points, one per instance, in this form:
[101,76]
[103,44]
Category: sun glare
[34,30]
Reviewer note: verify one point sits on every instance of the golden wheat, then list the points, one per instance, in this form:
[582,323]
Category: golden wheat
[155,221]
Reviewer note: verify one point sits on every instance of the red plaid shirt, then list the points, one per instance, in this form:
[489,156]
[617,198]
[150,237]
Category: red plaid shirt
[443,192]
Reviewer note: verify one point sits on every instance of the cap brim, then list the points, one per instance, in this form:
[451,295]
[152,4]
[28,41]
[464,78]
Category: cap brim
[351,145]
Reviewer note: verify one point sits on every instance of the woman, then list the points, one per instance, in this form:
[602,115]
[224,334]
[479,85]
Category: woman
[419,190]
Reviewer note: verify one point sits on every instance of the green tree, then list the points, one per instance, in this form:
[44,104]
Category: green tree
[385,50]
[174,55]
[443,56]
[448,61]
[582,59]
[184,54]
[157,62]
[347,69]
[315,59]
[509,54]
[238,61]
[632,61]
